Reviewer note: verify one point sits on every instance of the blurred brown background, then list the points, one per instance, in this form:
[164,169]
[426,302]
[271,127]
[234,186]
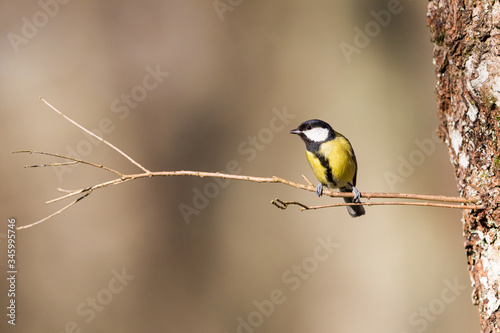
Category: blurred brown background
[392,270]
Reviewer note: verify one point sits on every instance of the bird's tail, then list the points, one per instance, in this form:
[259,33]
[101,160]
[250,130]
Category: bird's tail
[354,211]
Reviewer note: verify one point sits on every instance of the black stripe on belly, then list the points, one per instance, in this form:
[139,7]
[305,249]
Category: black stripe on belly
[326,165]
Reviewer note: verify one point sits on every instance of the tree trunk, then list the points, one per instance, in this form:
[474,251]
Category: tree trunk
[466,35]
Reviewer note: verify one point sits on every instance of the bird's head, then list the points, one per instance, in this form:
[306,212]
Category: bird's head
[314,131]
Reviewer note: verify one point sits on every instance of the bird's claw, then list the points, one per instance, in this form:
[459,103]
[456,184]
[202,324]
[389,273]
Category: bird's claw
[319,189]
[357,195]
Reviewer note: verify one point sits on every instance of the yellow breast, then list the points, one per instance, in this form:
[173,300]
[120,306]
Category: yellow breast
[339,156]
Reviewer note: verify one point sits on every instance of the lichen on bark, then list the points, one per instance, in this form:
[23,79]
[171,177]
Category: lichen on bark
[466,37]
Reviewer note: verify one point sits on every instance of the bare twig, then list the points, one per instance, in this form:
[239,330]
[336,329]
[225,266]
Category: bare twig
[94,187]
[75,161]
[64,190]
[284,204]
[53,214]
[51,164]
[94,135]
[273,179]
[307,181]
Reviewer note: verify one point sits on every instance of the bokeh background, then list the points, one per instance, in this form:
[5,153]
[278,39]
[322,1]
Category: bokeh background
[228,69]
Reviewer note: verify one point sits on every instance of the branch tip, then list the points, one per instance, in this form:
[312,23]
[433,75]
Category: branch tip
[94,135]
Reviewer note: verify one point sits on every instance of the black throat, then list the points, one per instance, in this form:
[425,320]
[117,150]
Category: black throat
[313,146]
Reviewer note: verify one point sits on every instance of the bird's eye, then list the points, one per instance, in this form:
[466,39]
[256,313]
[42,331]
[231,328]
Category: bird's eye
[308,127]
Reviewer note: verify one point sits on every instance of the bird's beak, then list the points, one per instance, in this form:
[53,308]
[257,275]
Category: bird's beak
[295,131]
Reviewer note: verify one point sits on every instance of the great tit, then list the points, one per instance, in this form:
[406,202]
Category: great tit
[332,160]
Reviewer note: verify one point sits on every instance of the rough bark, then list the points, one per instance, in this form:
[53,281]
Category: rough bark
[466,35]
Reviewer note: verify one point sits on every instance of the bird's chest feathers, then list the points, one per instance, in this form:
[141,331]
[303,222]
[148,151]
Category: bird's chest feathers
[337,159]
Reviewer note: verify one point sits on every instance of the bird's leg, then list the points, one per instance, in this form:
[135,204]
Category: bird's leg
[319,189]
[357,195]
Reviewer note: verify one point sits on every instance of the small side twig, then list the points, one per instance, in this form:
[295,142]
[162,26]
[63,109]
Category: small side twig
[74,161]
[94,135]
[307,181]
[54,214]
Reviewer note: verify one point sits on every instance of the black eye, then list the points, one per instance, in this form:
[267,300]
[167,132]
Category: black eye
[308,127]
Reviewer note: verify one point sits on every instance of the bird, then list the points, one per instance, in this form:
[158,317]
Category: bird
[332,160]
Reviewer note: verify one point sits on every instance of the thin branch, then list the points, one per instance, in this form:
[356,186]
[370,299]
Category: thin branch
[53,214]
[274,179]
[49,165]
[64,190]
[94,135]
[75,161]
[284,204]
[91,188]
[307,181]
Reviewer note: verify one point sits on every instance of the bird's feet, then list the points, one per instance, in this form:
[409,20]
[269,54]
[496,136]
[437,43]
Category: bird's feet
[357,195]
[319,189]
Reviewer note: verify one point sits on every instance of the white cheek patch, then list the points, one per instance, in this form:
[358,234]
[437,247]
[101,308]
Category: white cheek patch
[317,134]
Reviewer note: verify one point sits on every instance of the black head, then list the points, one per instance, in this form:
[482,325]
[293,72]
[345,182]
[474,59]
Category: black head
[314,132]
